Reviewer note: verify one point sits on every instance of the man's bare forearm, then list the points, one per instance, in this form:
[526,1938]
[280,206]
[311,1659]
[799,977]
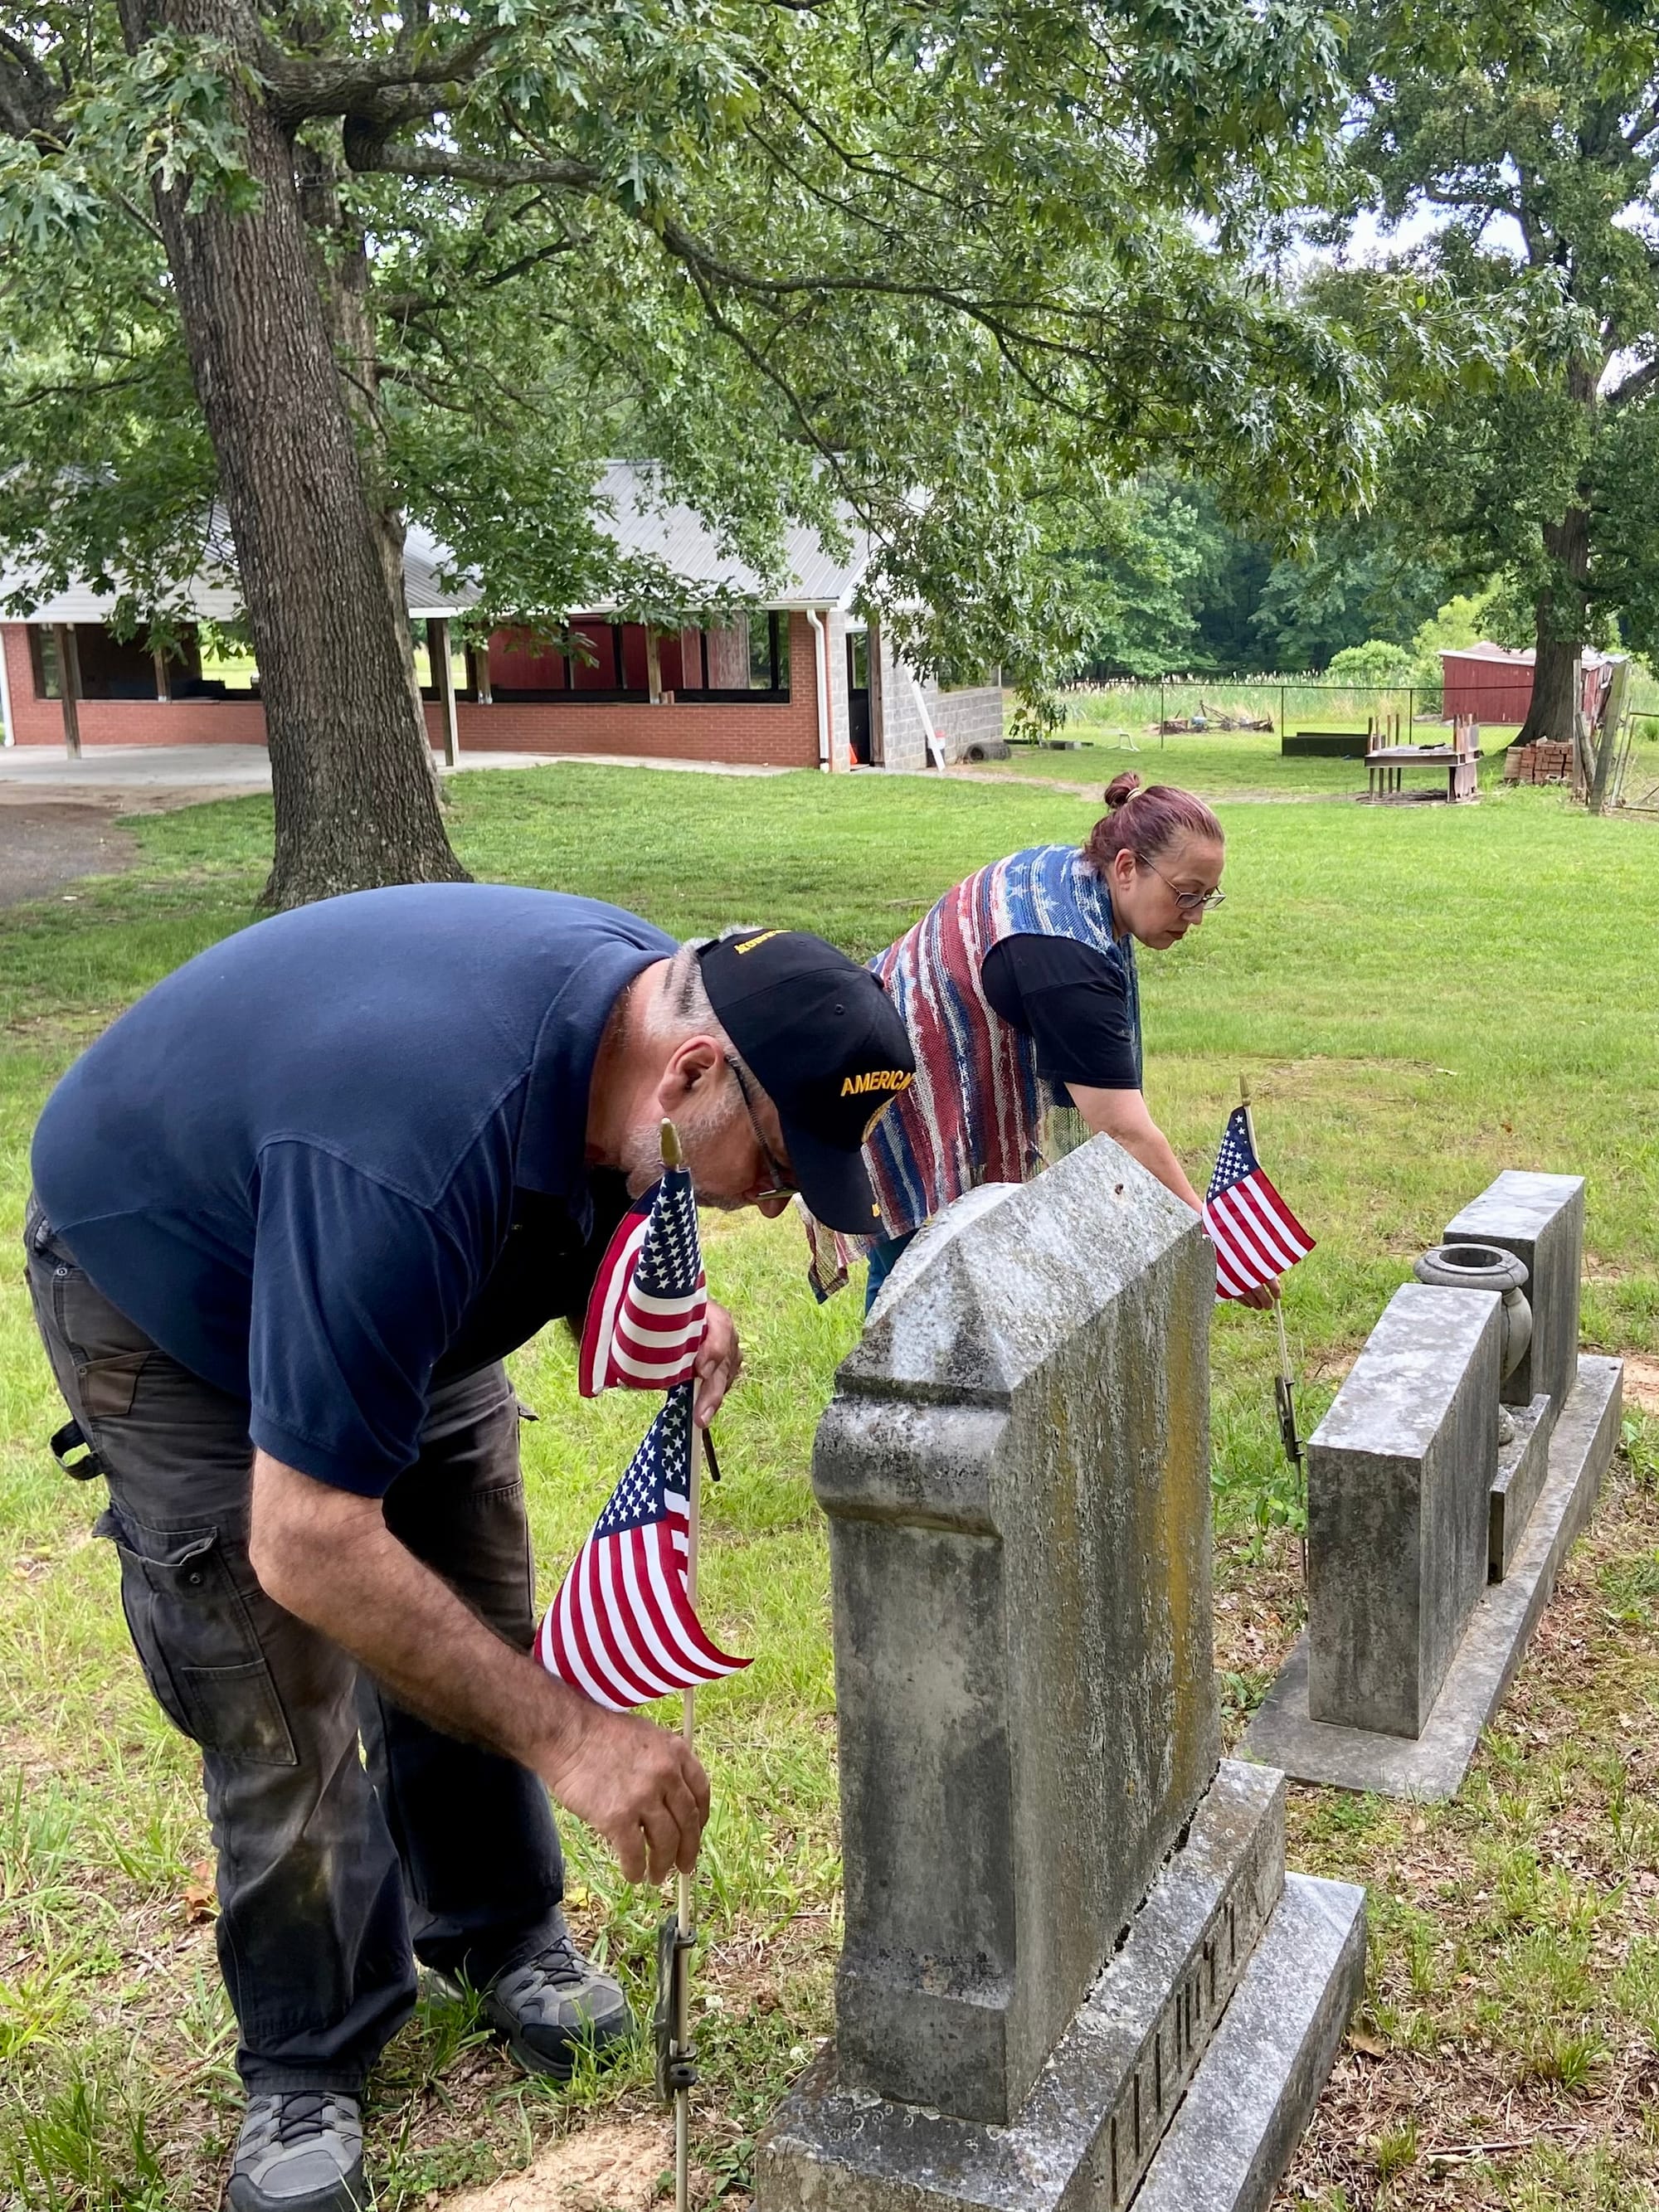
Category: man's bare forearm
[328,1557]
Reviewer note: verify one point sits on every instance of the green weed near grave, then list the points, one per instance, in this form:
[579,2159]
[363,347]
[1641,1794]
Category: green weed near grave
[1420,997]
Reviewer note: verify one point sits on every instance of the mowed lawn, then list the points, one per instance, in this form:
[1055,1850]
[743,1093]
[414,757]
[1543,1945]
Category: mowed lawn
[1419,997]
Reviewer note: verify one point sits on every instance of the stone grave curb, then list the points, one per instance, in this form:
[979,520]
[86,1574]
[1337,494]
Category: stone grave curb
[1238,2125]
[1114,2077]
[1432,1765]
[1523,1467]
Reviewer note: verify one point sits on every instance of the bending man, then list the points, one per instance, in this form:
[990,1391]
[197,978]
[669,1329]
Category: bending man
[290,1211]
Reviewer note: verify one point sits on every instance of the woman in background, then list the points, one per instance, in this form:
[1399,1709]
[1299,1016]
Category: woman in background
[1019,992]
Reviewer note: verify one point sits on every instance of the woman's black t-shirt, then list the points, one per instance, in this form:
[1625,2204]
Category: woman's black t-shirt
[1072,1001]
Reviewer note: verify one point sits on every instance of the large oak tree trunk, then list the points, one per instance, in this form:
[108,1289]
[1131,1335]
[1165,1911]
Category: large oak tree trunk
[1554,690]
[355,800]
[1560,633]
[339,257]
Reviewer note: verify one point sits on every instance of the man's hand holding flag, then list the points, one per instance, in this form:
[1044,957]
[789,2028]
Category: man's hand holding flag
[623,1628]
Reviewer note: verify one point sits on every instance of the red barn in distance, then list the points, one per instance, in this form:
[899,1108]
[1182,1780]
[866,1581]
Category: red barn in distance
[1495,685]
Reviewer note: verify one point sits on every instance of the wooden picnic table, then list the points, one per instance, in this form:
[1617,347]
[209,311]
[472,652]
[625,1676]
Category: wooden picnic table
[1385,767]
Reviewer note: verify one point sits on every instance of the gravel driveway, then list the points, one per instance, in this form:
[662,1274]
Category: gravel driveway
[45,844]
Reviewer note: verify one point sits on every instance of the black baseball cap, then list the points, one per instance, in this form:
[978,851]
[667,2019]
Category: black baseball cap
[826,1044]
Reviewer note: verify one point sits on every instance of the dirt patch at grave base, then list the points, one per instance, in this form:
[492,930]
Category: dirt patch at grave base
[1642,1382]
[48,843]
[610,2167]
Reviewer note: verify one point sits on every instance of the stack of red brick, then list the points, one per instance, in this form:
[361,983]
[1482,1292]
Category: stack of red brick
[1544,762]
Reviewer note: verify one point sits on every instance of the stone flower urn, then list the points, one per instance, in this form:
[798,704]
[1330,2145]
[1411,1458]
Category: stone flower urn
[1487,1267]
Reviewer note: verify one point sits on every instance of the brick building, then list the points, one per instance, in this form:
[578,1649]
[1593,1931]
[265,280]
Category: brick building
[796,680]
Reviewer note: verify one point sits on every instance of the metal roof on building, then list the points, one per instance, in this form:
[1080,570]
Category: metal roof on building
[1487,652]
[210,595]
[631,513]
[1507,656]
[673,535]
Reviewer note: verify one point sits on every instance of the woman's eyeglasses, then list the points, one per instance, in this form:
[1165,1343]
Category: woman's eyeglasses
[1191,902]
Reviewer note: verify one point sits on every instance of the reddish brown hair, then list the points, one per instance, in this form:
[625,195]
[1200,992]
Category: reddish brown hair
[1146,822]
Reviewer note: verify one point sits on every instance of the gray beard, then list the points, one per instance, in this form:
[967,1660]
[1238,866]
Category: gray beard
[697,1128]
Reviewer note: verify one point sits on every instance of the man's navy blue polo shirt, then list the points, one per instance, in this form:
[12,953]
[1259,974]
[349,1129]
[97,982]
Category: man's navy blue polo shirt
[297,1162]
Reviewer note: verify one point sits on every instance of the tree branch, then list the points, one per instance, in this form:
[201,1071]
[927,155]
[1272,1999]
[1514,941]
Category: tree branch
[28,98]
[361,84]
[370,157]
[1632,387]
[994,315]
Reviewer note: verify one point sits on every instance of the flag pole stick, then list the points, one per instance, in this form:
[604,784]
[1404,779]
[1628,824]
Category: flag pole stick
[683,2010]
[672,1157]
[1284,1370]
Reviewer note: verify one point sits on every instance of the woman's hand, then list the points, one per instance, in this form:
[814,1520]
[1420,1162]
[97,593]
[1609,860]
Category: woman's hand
[719,1364]
[1262,1296]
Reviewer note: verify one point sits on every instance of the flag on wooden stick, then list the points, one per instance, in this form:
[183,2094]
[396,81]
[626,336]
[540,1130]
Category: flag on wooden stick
[622,1629]
[649,1304]
[1255,1235]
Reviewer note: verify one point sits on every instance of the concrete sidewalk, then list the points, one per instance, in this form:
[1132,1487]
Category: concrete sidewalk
[150,778]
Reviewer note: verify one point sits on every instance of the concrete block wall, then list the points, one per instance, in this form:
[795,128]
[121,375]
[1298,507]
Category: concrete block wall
[840,704]
[970,716]
[904,733]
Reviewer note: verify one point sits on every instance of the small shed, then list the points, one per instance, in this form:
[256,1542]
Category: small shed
[1495,685]
[1488,681]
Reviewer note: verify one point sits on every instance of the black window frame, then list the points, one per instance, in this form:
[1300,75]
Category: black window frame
[618,693]
[777,695]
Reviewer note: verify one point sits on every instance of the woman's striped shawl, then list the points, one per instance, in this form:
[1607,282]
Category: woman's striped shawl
[974,1112]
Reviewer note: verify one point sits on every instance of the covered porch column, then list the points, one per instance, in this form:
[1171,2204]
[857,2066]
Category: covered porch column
[443,682]
[69,685]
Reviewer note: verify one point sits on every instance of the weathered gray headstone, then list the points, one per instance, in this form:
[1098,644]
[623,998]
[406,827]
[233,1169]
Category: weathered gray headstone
[1400,1475]
[1540,1218]
[1522,1465]
[1413,1504]
[1017,1486]
[1053,1890]
[1432,1765]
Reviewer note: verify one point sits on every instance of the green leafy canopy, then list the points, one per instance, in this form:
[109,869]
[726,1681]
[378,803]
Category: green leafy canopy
[953,274]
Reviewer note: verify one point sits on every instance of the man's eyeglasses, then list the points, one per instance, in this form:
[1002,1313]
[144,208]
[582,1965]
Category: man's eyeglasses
[1190,902]
[783,1182]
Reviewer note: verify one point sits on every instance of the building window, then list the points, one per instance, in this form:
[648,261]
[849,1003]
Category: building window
[125,668]
[747,659]
[43,656]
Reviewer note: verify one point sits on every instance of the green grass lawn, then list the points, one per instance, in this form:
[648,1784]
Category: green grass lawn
[1247,765]
[1420,997]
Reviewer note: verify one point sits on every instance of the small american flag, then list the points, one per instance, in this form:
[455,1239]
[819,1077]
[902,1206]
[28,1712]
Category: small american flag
[622,1629]
[1255,1235]
[649,1304]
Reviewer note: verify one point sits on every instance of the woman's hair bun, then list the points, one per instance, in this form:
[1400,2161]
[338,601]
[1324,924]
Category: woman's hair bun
[1122,789]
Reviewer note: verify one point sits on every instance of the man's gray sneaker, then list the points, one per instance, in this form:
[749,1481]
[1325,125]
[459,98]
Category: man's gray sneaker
[302,2152]
[553,2006]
